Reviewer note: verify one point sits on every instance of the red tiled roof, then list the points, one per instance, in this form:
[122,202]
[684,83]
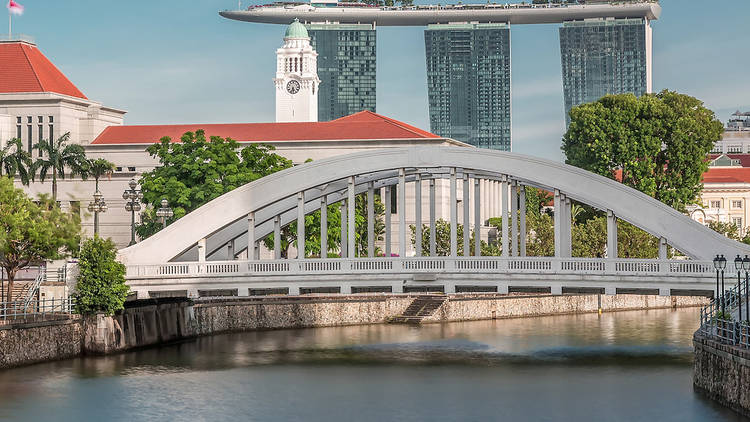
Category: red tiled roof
[744,158]
[364,125]
[727,175]
[23,68]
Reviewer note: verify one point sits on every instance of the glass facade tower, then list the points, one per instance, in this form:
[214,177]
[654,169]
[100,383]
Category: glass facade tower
[346,68]
[468,83]
[604,56]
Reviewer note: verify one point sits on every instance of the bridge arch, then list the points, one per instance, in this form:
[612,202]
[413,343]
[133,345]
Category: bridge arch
[276,200]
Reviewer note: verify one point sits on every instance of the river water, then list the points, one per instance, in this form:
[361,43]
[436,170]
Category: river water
[626,366]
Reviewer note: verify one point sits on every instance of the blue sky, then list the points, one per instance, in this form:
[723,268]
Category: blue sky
[170,61]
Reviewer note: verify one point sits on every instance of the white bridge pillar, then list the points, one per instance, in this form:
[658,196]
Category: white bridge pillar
[477,218]
[344,243]
[418,215]
[401,213]
[663,248]
[558,222]
[277,237]
[202,250]
[252,248]
[351,215]
[370,220]
[611,235]
[514,217]
[301,225]
[388,205]
[323,227]
[433,241]
[454,214]
[522,215]
[505,214]
[466,212]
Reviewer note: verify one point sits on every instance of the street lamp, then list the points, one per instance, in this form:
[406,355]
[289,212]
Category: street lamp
[720,263]
[133,197]
[738,267]
[746,267]
[164,213]
[97,206]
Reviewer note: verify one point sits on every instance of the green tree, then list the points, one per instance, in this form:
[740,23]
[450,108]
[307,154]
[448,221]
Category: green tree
[100,167]
[196,170]
[31,233]
[101,280]
[656,143]
[58,155]
[14,161]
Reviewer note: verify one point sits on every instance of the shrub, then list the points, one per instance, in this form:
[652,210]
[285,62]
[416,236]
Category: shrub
[101,282]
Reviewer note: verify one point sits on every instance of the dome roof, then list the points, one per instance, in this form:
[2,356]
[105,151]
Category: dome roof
[296,30]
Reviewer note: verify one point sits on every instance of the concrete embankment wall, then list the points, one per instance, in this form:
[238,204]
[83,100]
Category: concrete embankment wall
[32,342]
[722,372]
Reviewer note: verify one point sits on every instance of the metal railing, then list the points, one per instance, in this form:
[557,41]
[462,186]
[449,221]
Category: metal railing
[34,287]
[717,316]
[41,310]
[538,265]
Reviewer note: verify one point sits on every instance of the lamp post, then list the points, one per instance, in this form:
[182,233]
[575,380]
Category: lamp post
[96,206]
[738,267]
[722,266]
[164,213]
[746,267]
[133,197]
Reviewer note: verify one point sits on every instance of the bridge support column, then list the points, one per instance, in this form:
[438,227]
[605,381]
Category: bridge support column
[505,214]
[230,250]
[454,214]
[388,205]
[401,213]
[522,216]
[466,210]
[301,225]
[418,215]
[514,217]
[662,248]
[344,242]
[567,235]
[556,290]
[252,248]
[370,220]
[477,218]
[611,235]
[323,227]
[558,222]
[277,237]
[202,250]
[350,249]
[433,242]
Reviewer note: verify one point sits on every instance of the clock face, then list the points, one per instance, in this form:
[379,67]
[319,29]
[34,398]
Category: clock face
[292,87]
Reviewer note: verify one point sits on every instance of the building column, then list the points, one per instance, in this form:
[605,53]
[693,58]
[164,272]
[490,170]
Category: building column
[401,206]
[251,248]
[454,214]
[522,216]
[351,215]
[344,242]
[388,239]
[477,218]
[301,225]
[514,217]
[467,224]
[370,219]
[558,229]
[202,250]
[663,248]
[611,235]
[505,214]
[323,227]
[418,215]
[433,241]
[277,237]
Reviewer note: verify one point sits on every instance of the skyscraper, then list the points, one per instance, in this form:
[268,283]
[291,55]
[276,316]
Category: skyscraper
[604,56]
[468,83]
[346,68]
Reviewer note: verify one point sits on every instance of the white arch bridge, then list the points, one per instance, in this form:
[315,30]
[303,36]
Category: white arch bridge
[199,254]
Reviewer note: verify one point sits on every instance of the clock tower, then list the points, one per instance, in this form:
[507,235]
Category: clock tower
[296,80]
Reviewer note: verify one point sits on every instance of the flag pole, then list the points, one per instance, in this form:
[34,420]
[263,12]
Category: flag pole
[10,25]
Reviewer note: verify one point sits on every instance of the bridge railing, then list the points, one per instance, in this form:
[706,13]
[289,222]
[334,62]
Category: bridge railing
[536,265]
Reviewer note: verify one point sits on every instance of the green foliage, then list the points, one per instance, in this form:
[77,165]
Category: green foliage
[56,156]
[100,167]
[657,142]
[30,233]
[14,161]
[443,240]
[101,282]
[729,230]
[196,170]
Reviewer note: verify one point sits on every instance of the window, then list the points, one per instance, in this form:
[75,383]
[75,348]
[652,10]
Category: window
[737,221]
[131,168]
[18,120]
[734,149]
[28,119]
[737,204]
[715,204]
[394,200]
[41,132]
[30,142]
[51,132]
[51,119]
[39,119]
[118,168]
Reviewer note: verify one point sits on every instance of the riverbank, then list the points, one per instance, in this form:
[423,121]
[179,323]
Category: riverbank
[160,321]
[722,373]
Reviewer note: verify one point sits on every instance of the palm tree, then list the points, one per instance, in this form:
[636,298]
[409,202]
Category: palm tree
[56,156]
[17,162]
[100,167]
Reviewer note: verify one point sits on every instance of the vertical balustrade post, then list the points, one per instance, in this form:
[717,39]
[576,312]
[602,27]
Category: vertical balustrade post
[388,208]
[505,214]
[251,245]
[433,242]
[277,237]
[301,225]
[401,206]
[351,216]
[370,219]
[514,217]
[477,218]
[467,226]
[522,216]
[568,239]
[453,214]
[323,227]
[418,215]
[202,250]
[663,248]
[557,222]
[344,242]
[611,235]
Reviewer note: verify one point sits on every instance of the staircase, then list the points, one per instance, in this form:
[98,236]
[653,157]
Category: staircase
[419,309]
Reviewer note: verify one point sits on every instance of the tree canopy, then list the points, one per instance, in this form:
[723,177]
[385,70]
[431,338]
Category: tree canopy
[196,170]
[14,161]
[101,279]
[656,143]
[31,233]
[56,156]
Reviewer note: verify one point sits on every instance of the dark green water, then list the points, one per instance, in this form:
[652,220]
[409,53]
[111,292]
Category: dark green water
[627,366]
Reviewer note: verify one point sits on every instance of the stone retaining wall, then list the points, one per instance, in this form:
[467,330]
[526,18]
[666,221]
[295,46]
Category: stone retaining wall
[22,344]
[722,372]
